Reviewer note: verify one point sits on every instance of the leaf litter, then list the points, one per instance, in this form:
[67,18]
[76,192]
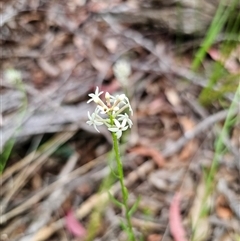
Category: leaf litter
[63,50]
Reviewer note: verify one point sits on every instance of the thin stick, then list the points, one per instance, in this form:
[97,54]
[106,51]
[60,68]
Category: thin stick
[53,202]
[22,178]
[57,139]
[47,190]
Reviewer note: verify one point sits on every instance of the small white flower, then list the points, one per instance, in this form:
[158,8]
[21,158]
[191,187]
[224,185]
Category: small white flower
[95,96]
[13,76]
[123,99]
[103,109]
[122,117]
[129,106]
[94,120]
[107,96]
[119,128]
[113,109]
[119,99]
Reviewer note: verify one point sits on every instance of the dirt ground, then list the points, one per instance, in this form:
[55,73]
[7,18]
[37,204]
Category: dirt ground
[56,180]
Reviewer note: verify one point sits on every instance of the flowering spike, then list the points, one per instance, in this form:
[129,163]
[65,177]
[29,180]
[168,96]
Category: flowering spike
[113,112]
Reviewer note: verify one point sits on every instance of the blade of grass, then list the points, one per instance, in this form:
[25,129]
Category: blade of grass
[219,145]
[209,175]
[15,77]
[216,26]
[45,148]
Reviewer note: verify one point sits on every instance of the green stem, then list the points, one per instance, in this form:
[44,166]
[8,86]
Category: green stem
[123,188]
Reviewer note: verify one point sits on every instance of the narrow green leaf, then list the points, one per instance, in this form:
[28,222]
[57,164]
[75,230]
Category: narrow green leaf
[6,153]
[114,200]
[134,207]
[217,24]
[113,171]
[126,229]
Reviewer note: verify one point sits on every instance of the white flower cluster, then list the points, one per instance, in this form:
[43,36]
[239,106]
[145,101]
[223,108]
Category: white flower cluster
[110,113]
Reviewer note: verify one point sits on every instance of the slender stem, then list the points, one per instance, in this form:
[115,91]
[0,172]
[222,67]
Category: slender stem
[123,188]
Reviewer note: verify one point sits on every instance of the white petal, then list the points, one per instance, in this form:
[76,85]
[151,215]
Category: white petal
[96,128]
[89,101]
[119,134]
[107,96]
[89,123]
[97,93]
[117,123]
[124,122]
[113,129]
[98,123]
[89,115]
[125,128]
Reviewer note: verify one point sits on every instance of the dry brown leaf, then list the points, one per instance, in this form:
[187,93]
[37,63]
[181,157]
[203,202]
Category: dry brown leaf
[36,181]
[154,237]
[149,151]
[173,97]
[235,139]
[189,150]
[38,77]
[191,147]
[111,45]
[229,62]
[99,56]
[186,123]
[222,209]
[67,64]
[155,106]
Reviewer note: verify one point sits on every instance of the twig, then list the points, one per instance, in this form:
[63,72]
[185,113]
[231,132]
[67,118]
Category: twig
[46,190]
[58,139]
[202,126]
[53,202]
[27,172]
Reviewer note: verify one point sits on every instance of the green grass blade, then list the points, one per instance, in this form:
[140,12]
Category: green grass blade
[216,26]
[134,207]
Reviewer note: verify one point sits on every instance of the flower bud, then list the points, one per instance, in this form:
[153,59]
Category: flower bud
[122,71]
[107,96]
[116,108]
[122,97]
